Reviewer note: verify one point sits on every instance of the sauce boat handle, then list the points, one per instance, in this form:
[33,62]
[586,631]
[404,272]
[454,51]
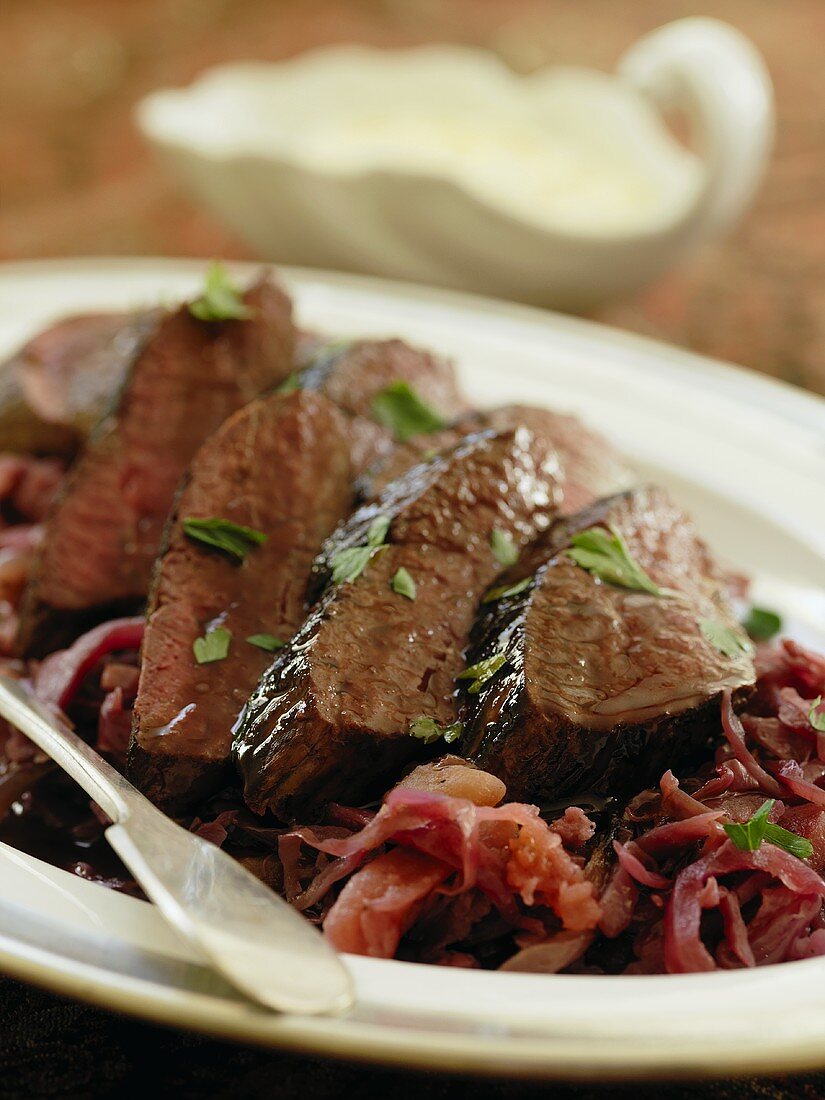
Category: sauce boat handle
[714,73]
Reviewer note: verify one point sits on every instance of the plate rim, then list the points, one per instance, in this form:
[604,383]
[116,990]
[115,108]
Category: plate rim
[804,404]
[394,1046]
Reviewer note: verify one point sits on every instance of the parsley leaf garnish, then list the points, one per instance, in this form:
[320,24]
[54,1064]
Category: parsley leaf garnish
[399,408]
[748,837]
[816,719]
[729,642]
[223,534]
[291,383]
[428,730]
[503,590]
[761,623]
[798,846]
[605,555]
[482,671]
[378,531]
[403,584]
[213,646]
[266,641]
[350,563]
[221,300]
[504,549]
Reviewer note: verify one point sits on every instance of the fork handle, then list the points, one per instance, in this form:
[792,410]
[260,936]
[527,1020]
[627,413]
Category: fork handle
[97,777]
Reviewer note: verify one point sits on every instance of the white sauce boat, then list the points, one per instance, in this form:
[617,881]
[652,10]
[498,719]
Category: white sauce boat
[440,165]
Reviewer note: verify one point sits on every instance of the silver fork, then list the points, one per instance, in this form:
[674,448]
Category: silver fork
[254,938]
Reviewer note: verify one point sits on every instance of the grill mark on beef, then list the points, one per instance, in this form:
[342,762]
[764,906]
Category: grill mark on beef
[604,686]
[330,718]
[590,466]
[105,528]
[281,466]
[353,374]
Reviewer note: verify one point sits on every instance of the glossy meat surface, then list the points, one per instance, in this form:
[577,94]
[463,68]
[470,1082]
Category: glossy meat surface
[603,686]
[105,528]
[330,719]
[281,465]
[353,373]
[590,467]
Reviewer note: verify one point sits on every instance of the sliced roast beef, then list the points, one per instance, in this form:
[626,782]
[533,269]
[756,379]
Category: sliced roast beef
[58,386]
[279,466]
[331,718]
[27,488]
[354,373]
[600,685]
[21,429]
[590,467]
[104,530]
[71,372]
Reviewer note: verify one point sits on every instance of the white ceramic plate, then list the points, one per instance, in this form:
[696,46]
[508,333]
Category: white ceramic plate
[745,454]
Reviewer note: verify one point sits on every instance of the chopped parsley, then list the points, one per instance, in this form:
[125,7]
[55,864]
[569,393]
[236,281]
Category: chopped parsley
[221,300]
[428,730]
[815,717]
[291,383]
[798,846]
[482,671]
[350,563]
[748,837]
[730,643]
[399,408]
[213,646]
[605,555]
[231,538]
[378,531]
[762,624]
[403,584]
[504,549]
[266,641]
[504,590]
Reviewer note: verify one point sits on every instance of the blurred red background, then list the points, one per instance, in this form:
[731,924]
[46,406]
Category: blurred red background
[76,179]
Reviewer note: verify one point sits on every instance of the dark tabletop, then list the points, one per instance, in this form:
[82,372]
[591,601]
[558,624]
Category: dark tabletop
[77,180]
[55,1047]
